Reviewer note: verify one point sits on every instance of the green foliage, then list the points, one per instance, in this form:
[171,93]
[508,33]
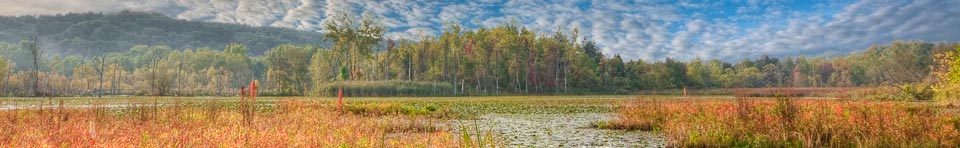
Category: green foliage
[947,71]
[900,62]
[953,74]
[916,92]
[385,88]
[13,53]
[353,40]
[321,69]
[5,69]
[343,73]
[287,70]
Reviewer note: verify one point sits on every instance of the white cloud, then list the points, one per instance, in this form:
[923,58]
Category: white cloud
[649,30]
[31,7]
[855,27]
[306,16]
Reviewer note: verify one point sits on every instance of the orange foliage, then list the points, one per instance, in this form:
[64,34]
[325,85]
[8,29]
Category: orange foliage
[794,122]
[289,124]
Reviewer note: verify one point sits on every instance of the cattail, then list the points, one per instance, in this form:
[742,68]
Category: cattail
[242,93]
[684,92]
[253,90]
[253,99]
[243,105]
[340,100]
[243,101]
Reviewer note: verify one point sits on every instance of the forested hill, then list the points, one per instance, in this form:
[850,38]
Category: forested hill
[97,33]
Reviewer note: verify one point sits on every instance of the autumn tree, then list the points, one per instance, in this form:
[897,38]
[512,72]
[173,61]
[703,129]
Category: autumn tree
[491,60]
[353,40]
[946,69]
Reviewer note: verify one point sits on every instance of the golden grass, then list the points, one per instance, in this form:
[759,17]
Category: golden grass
[792,122]
[291,123]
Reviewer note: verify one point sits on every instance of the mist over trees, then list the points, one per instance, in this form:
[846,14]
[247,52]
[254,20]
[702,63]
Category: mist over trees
[491,60]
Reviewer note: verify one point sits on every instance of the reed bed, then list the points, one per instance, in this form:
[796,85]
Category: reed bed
[289,123]
[785,122]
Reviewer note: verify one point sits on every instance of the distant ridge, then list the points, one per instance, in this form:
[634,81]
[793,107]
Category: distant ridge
[87,33]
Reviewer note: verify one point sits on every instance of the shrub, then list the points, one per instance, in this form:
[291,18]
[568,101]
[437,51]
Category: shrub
[917,92]
[948,92]
[386,88]
[644,115]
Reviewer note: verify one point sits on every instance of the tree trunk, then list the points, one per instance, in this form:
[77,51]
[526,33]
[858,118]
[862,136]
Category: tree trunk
[36,77]
[179,81]
[119,79]
[100,72]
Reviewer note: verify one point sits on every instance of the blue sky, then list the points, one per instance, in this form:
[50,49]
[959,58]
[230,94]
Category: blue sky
[649,30]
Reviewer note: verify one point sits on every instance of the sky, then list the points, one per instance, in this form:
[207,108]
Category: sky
[645,29]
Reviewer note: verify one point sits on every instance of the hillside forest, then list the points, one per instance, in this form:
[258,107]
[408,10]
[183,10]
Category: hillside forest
[140,53]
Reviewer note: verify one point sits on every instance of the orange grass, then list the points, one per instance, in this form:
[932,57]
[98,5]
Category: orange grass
[291,123]
[792,122]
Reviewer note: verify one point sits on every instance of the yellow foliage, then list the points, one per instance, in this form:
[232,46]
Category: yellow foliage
[946,69]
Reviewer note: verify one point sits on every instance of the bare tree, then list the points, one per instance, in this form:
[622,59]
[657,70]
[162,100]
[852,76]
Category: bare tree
[116,71]
[35,53]
[102,59]
[99,68]
[179,81]
[903,66]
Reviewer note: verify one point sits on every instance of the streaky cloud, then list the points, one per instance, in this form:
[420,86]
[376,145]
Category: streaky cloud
[635,30]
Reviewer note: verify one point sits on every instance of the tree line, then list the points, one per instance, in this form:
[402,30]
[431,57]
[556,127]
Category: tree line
[501,60]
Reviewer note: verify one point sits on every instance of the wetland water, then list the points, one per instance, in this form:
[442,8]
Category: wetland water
[559,130]
[533,122]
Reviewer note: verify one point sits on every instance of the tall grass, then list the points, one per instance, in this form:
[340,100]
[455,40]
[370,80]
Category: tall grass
[289,123]
[473,136]
[785,122]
